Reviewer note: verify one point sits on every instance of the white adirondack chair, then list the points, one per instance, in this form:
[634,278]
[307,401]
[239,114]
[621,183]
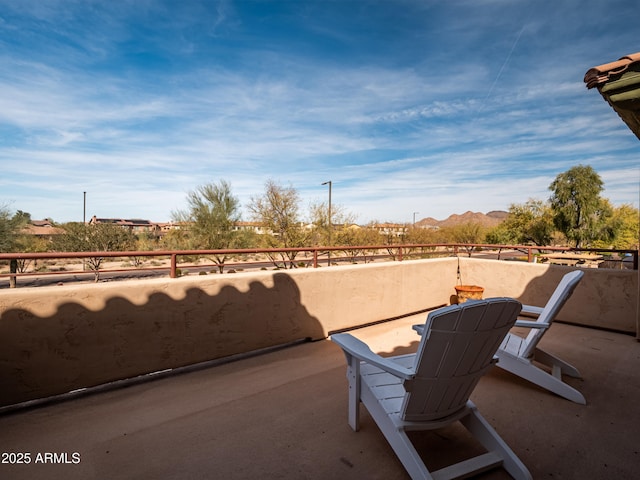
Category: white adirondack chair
[430,389]
[521,356]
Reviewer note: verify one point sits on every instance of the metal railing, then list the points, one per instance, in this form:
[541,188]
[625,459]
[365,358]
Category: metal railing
[285,257]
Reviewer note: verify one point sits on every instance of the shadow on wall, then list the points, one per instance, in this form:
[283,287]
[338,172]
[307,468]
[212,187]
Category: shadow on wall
[539,290]
[528,286]
[587,305]
[78,347]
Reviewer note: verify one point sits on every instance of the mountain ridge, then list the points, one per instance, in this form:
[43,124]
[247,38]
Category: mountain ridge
[489,219]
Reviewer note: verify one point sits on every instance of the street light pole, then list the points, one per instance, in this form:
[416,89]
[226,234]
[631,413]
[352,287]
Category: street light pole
[330,226]
[84,221]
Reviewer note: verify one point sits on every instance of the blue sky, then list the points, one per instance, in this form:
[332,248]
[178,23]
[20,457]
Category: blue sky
[435,107]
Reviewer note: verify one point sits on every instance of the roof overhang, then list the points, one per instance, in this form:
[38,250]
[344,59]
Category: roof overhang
[619,84]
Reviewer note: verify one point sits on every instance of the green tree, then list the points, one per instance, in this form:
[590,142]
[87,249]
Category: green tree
[578,210]
[356,236]
[418,235]
[319,215]
[500,235]
[628,235]
[12,240]
[530,222]
[212,214]
[278,210]
[469,232]
[28,243]
[10,227]
[146,241]
[323,233]
[622,230]
[177,238]
[101,237]
[8,230]
[21,218]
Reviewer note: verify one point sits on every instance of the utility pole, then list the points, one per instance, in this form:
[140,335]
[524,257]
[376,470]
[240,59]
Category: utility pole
[84,223]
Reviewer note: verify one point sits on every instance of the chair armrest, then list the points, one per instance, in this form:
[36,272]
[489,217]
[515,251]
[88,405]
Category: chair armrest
[360,350]
[531,310]
[519,323]
[530,324]
[419,328]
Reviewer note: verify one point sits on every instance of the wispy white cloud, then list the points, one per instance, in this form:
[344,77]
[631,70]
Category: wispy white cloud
[138,103]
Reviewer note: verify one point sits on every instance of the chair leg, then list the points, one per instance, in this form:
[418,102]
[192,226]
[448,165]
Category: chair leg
[489,438]
[532,373]
[353,376]
[409,456]
[552,361]
[397,438]
[498,452]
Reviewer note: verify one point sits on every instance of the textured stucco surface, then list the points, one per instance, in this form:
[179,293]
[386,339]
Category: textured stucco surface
[284,415]
[57,339]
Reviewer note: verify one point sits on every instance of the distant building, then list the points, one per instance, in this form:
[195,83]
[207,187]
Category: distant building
[134,225]
[255,227]
[168,226]
[161,228]
[390,229]
[42,229]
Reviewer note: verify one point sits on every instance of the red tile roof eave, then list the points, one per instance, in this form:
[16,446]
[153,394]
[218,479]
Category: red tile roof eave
[597,76]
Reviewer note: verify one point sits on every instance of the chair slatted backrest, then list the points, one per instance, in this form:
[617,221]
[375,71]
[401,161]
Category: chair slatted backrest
[561,294]
[456,349]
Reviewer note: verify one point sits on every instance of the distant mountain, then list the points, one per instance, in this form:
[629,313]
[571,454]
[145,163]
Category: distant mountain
[490,219]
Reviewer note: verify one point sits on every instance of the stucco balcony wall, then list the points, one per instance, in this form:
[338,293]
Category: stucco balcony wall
[604,298]
[58,339]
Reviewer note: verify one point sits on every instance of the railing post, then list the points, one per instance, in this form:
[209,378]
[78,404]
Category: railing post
[174,262]
[13,269]
[400,254]
[529,255]
[315,258]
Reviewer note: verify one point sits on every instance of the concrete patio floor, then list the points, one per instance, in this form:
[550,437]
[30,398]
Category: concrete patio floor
[282,415]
